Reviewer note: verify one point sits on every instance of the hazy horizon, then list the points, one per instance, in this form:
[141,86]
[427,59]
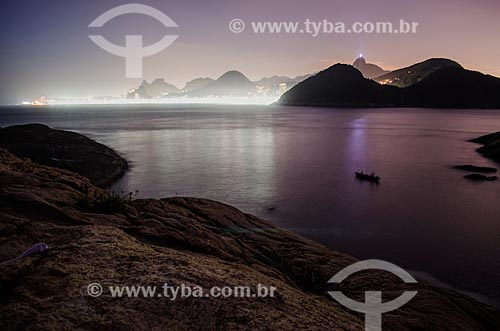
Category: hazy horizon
[47,50]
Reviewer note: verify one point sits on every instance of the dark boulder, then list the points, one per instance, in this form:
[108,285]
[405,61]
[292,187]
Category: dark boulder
[481,178]
[66,150]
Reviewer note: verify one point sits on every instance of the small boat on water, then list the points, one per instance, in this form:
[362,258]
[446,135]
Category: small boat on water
[369,177]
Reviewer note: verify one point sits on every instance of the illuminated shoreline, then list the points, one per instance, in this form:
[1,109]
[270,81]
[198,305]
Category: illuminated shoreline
[166,101]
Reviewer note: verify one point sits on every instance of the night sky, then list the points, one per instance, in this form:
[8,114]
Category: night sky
[46,50]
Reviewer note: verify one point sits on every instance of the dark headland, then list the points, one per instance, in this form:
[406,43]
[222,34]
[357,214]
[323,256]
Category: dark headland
[435,83]
[174,240]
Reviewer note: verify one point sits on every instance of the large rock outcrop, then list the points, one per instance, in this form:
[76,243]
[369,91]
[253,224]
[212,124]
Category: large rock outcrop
[64,149]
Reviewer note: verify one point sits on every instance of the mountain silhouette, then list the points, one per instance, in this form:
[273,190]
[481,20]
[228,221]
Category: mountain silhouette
[455,87]
[448,87]
[196,84]
[155,89]
[274,81]
[272,84]
[368,70]
[231,83]
[415,73]
[340,85]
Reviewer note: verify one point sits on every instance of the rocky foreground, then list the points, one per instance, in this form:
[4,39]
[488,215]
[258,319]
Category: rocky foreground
[113,240]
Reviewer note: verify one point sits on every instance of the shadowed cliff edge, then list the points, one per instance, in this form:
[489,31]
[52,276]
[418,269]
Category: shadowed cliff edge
[180,240]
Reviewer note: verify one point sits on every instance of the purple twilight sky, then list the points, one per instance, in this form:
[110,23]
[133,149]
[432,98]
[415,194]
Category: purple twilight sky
[46,50]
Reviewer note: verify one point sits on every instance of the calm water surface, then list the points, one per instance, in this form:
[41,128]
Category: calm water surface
[423,216]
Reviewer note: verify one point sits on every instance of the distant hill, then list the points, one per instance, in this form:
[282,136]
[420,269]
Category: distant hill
[155,89]
[455,87]
[340,85]
[232,83]
[139,92]
[415,73]
[196,83]
[368,70]
[270,82]
[447,87]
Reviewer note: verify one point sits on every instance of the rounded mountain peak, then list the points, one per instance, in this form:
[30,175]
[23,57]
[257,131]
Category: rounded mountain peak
[343,71]
[232,74]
